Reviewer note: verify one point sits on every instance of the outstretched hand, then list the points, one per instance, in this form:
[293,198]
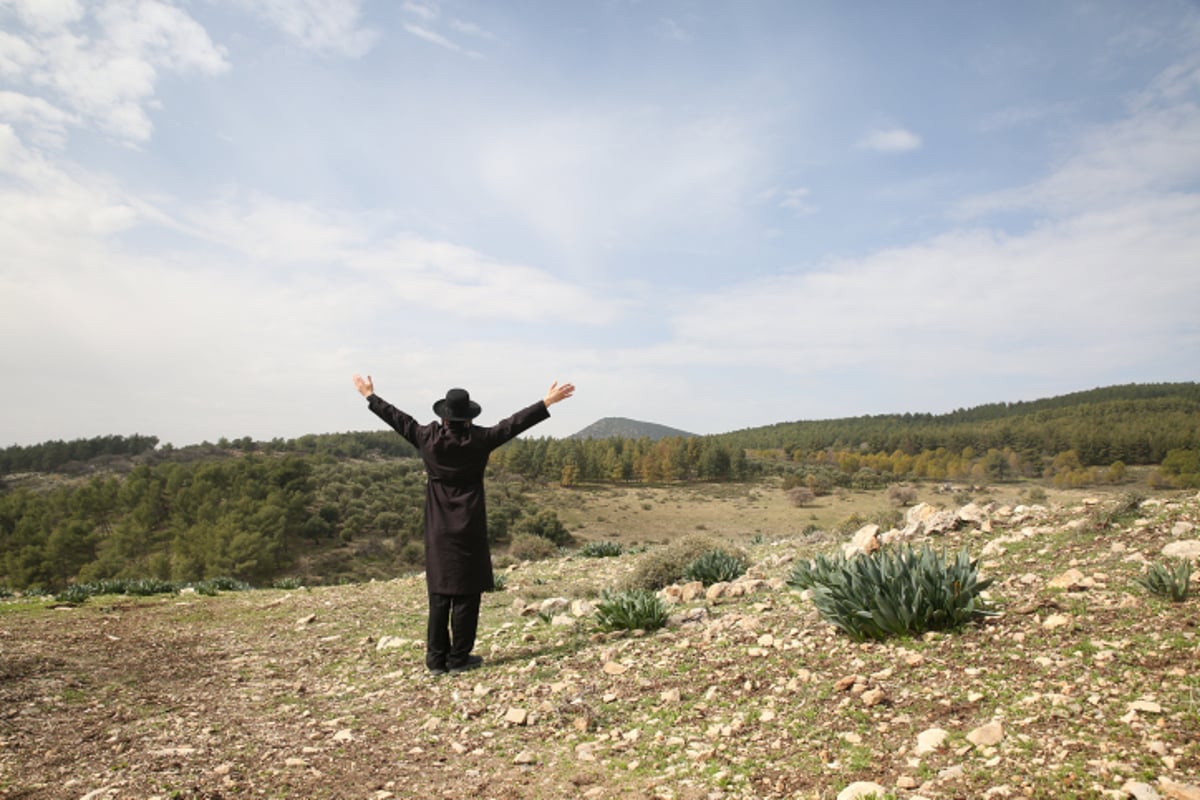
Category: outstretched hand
[556,393]
[365,388]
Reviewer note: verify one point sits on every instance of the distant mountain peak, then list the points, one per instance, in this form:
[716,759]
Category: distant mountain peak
[614,427]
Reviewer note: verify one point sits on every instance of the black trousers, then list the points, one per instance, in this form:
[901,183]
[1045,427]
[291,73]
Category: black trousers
[456,614]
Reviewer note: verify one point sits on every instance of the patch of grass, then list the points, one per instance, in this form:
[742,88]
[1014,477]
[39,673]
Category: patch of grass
[634,609]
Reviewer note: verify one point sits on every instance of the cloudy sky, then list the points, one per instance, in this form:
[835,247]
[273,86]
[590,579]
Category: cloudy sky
[711,215]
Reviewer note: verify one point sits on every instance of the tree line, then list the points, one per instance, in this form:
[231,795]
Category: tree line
[253,517]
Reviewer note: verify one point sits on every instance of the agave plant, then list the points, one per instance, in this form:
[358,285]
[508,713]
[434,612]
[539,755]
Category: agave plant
[715,566]
[1171,580]
[895,591]
[601,549]
[634,609]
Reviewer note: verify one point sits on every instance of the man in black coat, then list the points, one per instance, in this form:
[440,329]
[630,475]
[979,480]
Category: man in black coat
[458,563]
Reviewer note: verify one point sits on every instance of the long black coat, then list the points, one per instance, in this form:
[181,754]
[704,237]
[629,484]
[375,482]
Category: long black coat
[457,558]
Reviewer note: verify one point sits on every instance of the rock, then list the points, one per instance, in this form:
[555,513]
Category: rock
[1182,528]
[930,741]
[308,620]
[554,605]
[344,735]
[691,591]
[1145,707]
[972,513]
[516,716]
[873,697]
[582,608]
[1171,790]
[861,789]
[295,762]
[1055,621]
[716,591]
[1188,548]
[987,735]
[865,540]
[1140,791]
[1070,580]
[563,621]
[670,696]
[906,782]
[613,668]
[390,642]
[525,757]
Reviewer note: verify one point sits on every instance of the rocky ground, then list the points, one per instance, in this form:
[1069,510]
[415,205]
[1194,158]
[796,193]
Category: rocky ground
[1084,686]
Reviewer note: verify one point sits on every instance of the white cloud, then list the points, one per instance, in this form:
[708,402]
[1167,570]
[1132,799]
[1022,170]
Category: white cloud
[892,140]
[1153,151]
[47,122]
[330,27]
[438,39]
[584,179]
[103,68]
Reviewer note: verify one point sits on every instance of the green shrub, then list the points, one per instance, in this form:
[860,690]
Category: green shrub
[1125,509]
[894,591]
[545,524]
[1166,580]
[715,566]
[226,584]
[149,586]
[633,609]
[499,582]
[75,593]
[287,583]
[666,565]
[5,592]
[601,549]
[528,547]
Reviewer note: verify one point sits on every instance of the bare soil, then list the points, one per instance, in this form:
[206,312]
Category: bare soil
[289,694]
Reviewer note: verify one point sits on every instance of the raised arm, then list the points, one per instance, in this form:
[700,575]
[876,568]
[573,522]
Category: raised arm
[556,393]
[365,388]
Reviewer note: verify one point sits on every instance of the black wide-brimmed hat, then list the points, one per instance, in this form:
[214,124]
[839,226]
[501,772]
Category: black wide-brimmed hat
[457,406]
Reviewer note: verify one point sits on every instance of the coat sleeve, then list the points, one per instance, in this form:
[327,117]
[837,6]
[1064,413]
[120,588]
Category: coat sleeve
[517,424]
[402,423]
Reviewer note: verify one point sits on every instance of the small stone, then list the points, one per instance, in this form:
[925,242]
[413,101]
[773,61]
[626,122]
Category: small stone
[861,789]
[670,696]
[516,716]
[873,697]
[1140,791]
[309,620]
[613,668]
[344,735]
[1145,707]
[295,762]
[987,735]
[1170,790]
[930,741]
[525,757]
[1055,621]
[906,782]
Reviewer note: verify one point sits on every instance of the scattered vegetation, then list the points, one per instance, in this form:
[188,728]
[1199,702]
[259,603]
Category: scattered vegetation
[528,547]
[896,591]
[668,564]
[146,587]
[601,549]
[1168,580]
[632,609]
[715,566]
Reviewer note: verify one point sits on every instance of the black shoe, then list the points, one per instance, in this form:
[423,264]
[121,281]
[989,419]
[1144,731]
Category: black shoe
[472,662]
[437,670]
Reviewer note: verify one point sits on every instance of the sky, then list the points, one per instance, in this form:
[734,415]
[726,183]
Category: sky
[708,215]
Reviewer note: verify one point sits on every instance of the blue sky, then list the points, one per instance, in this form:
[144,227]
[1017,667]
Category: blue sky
[706,215]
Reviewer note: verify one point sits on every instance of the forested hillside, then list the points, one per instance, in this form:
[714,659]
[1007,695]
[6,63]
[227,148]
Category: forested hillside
[346,506]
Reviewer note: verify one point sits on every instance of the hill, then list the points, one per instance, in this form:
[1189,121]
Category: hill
[623,428]
[1084,686]
[1133,423]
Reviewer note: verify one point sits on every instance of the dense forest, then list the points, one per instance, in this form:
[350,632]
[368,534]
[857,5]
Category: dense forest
[345,506]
